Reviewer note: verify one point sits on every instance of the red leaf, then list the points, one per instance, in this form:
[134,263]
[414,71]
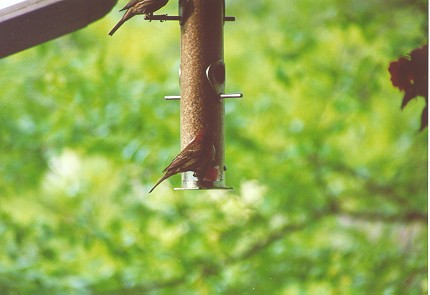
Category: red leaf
[411,76]
[419,70]
[400,73]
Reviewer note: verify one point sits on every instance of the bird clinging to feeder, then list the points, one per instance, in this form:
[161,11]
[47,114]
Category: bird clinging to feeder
[136,7]
[197,156]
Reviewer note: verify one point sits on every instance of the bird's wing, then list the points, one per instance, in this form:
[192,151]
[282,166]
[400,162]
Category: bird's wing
[180,162]
[131,4]
[152,5]
[187,157]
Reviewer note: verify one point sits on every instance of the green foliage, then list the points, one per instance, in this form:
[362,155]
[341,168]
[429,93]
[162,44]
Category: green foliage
[329,176]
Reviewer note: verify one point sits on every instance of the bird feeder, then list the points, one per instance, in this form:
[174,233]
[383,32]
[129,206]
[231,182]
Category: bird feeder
[202,83]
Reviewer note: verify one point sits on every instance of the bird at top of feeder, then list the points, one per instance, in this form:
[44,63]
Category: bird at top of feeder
[197,156]
[136,7]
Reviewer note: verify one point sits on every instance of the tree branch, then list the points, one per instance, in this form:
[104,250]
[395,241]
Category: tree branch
[369,184]
[147,287]
[275,236]
[407,217]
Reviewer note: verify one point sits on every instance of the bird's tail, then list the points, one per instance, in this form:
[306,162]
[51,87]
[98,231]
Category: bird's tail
[158,182]
[119,24]
[125,18]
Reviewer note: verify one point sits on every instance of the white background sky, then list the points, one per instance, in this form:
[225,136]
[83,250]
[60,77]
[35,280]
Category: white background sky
[6,3]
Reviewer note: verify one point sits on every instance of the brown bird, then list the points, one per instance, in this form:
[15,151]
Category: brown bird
[135,7]
[197,156]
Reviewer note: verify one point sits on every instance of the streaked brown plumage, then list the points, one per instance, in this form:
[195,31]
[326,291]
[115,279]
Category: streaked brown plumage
[135,7]
[197,156]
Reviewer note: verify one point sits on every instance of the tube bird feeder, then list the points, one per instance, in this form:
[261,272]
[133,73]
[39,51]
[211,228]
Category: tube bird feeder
[202,83]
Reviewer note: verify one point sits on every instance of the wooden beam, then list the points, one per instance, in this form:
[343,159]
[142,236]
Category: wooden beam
[32,22]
